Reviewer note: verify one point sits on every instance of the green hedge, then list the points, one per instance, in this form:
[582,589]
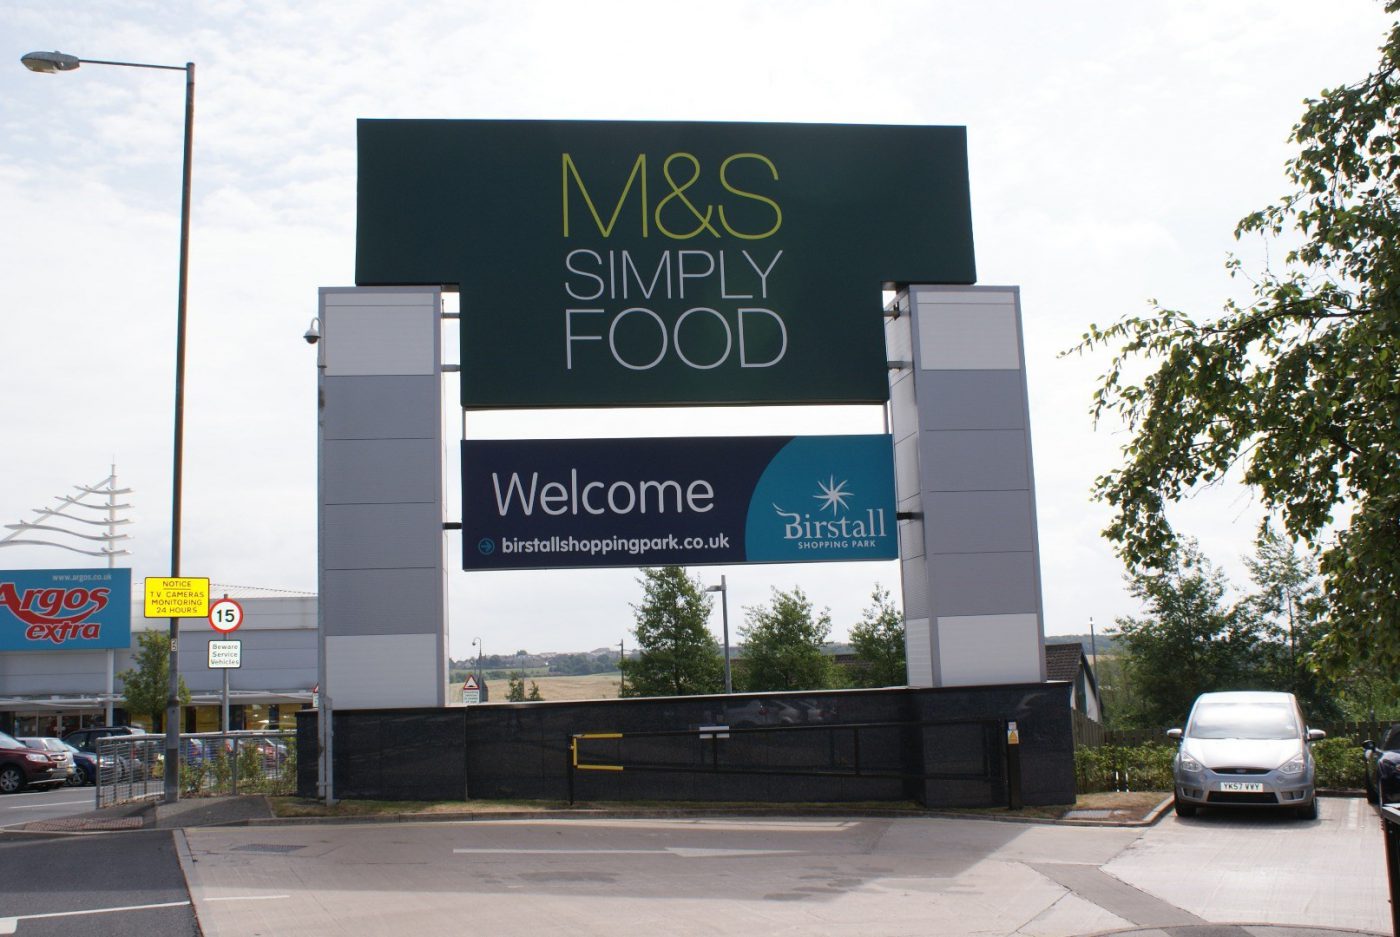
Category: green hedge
[1148,767]
[1145,767]
[1339,763]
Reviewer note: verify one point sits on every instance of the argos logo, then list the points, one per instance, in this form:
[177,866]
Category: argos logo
[56,614]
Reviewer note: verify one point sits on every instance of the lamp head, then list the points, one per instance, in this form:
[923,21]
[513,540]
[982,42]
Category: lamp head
[49,62]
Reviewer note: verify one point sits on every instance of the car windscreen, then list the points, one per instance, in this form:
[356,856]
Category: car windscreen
[7,741]
[1244,721]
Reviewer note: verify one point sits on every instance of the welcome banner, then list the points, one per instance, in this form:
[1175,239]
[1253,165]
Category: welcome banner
[556,503]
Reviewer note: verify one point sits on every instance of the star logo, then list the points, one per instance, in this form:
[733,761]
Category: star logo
[833,495]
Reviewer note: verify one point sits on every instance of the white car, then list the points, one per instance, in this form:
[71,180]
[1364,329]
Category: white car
[1245,749]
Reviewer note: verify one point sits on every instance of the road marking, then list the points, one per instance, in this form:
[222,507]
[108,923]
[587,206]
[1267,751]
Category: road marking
[8,925]
[248,898]
[681,851]
[56,803]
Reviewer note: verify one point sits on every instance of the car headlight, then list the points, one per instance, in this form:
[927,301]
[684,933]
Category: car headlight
[1187,763]
[41,759]
[1294,765]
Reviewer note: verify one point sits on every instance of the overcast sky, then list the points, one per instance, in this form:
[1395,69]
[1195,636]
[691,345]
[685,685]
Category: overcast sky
[1112,147]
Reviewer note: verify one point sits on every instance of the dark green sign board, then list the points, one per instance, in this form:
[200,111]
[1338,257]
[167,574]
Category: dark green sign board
[637,263]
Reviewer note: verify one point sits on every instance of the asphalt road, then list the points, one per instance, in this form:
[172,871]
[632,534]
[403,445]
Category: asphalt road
[125,884]
[1244,875]
[45,804]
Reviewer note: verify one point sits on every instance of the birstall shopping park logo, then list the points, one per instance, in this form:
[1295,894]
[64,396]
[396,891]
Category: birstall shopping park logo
[65,609]
[841,530]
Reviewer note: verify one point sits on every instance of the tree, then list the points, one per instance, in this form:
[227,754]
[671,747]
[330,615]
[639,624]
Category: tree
[1189,641]
[1297,386]
[782,646]
[878,640]
[146,687]
[515,688]
[676,654]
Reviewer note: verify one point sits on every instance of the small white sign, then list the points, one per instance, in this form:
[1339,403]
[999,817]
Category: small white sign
[225,655]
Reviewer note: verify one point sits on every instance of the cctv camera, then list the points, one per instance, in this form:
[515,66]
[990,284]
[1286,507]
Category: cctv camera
[312,336]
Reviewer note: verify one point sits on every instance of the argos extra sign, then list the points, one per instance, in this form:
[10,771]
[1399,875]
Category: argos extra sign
[639,263]
[65,609]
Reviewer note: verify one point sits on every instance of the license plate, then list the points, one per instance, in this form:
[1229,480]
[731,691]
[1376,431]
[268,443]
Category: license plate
[1243,787]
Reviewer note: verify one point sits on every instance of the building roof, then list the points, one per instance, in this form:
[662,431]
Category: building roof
[1062,661]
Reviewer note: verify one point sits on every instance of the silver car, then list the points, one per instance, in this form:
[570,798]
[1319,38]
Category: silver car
[1246,749]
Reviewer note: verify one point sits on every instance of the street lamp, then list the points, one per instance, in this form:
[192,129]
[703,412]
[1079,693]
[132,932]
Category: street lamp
[480,674]
[50,63]
[723,590]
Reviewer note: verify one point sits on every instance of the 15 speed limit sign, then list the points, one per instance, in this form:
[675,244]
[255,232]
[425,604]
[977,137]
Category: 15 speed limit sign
[225,615]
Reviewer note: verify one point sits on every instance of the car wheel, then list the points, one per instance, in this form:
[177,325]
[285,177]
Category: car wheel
[76,779]
[1183,809]
[1308,812]
[11,779]
[1371,795]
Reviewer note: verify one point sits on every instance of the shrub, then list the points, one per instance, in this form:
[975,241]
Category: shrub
[1145,767]
[1339,763]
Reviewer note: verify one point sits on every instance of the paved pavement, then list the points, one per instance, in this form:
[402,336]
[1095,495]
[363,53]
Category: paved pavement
[1216,875]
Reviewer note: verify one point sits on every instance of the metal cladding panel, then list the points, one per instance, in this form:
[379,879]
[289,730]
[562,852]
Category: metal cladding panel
[984,583]
[980,650]
[377,471]
[971,400]
[272,660]
[966,331]
[381,536]
[380,493]
[380,333]
[975,460]
[975,486]
[918,651]
[381,407]
[381,601]
[368,671]
[977,521]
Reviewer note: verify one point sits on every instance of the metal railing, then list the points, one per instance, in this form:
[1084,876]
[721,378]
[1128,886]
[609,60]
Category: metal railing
[132,767]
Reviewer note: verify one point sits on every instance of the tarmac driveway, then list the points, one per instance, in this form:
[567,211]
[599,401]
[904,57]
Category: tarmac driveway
[816,876]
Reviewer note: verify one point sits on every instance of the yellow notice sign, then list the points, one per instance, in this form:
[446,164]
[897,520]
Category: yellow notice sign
[177,598]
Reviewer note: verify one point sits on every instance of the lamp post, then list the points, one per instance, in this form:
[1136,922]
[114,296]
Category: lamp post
[481,674]
[723,590]
[50,63]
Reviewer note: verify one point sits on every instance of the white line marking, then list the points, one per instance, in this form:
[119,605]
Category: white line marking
[56,803]
[681,851]
[248,898]
[8,925]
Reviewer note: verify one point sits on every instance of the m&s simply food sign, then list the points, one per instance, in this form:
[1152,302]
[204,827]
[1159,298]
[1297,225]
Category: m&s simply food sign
[637,263]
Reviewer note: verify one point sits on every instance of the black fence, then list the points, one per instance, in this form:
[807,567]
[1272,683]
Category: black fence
[939,747]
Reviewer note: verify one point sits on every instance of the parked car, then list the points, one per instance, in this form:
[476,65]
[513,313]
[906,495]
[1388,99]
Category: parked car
[112,767]
[1383,767]
[85,740]
[1245,749]
[135,762]
[22,766]
[56,747]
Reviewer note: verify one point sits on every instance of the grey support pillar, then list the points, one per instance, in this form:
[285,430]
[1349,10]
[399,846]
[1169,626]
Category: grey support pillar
[960,417]
[381,565]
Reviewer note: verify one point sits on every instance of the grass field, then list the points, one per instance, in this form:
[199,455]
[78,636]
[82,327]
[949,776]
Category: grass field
[593,686]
